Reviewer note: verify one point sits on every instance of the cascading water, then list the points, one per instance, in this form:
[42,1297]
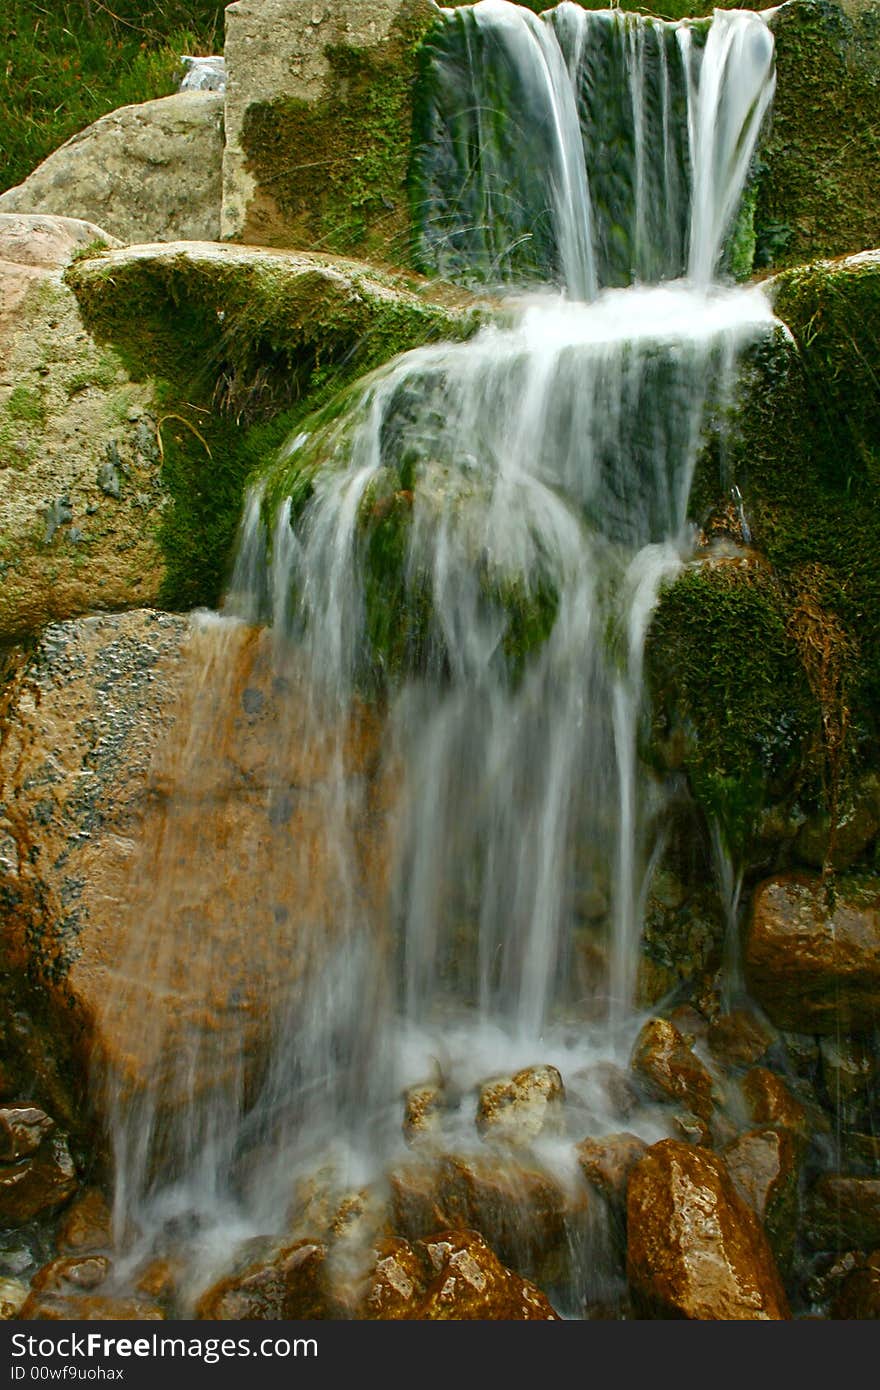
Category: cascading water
[475,543]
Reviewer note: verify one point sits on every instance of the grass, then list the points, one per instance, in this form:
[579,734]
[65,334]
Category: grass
[67,62]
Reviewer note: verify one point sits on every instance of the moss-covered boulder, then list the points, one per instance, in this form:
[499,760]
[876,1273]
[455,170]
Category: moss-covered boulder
[240,344]
[318,123]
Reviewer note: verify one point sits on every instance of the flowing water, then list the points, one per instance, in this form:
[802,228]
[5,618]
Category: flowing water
[452,578]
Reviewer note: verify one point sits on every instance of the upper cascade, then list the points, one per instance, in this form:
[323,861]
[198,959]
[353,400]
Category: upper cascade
[594,147]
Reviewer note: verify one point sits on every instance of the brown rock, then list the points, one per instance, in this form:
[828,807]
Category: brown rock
[516,1110]
[416,1200]
[608,1162]
[859,1295]
[695,1249]
[739,1039]
[771,1102]
[663,1058]
[764,1166]
[13,1295]
[40,1183]
[398,1283]
[471,1283]
[22,1130]
[843,1213]
[289,1284]
[88,1308]
[815,969]
[80,1272]
[423,1109]
[86,1223]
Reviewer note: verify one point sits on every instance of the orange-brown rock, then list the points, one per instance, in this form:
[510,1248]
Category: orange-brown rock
[815,968]
[608,1162]
[764,1165]
[22,1130]
[858,1298]
[164,848]
[416,1199]
[422,1113]
[398,1283]
[739,1039]
[843,1213]
[517,1109]
[50,1307]
[695,1248]
[40,1183]
[77,1272]
[469,1282]
[290,1283]
[85,1225]
[771,1102]
[663,1058]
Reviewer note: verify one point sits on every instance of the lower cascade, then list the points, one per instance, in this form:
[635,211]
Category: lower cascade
[407,955]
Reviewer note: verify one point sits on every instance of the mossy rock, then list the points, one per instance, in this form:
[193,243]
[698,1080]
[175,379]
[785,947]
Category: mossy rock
[243,343]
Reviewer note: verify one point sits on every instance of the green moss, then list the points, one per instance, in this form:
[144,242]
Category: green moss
[242,350]
[730,691]
[26,405]
[336,169]
[818,191]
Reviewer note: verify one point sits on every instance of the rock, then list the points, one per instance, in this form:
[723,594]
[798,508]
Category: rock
[300,79]
[518,1109]
[145,173]
[96,793]
[843,1213]
[765,1168]
[422,1117]
[812,968]
[849,1073]
[739,1039]
[771,1102]
[859,1294]
[857,825]
[471,1283]
[37,1184]
[13,1294]
[22,1130]
[416,1199]
[289,1284]
[608,1162]
[62,400]
[695,1248]
[398,1284]
[86,1224]
[80,1272]
[664,1060]
[88,1308]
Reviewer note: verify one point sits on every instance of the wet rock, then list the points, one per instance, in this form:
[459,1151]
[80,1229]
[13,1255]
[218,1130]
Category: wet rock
[422,1115]
[858,1298]
[664,1060]
[849,1074]
[416,1200]
[695,1248]
[79,1272]
[289,1284]
[857,825]
[690,1022]
[608,1162]
[765,1168]
[771,1102]
[40,1183]
[843,1213]
[739,1039]
[398,1283]
[150,172]
[606,1088]
[158,1281]
[88,1308]
[692,1128]
[517,1110]
[13,1294]
[471,1283]
[22,1130]
[814,968]
[86,1224]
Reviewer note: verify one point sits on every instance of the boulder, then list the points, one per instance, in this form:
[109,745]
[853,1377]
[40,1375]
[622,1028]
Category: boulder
[145,173]
[843,1213]
[813,967]
[307,84]
[664,1060]
[771,1102]
[517,1110]
[102,805]
[22,1130]
[469,1282]
[695,1248]
[40,1183]
[397,1285]
[85,1225]
[765,1167]
[81,495]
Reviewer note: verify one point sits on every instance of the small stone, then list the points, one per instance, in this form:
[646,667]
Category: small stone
[843,1213]
[770,1101]
[663,1058]
[13,1295]
[516,1110]
[765,1167]
[608,1162]
[739,1039]
[37,1184]
[22,1130]
[422,1116]
[79,1272]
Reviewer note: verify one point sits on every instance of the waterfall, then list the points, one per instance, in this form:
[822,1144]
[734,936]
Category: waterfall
[456,568]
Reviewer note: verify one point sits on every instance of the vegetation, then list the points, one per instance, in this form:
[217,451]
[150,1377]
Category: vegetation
[67,62]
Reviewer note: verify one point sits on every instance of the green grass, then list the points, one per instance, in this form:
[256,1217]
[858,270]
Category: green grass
[67,62]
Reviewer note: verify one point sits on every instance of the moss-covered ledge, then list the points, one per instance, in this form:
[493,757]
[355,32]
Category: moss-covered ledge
[242,343]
